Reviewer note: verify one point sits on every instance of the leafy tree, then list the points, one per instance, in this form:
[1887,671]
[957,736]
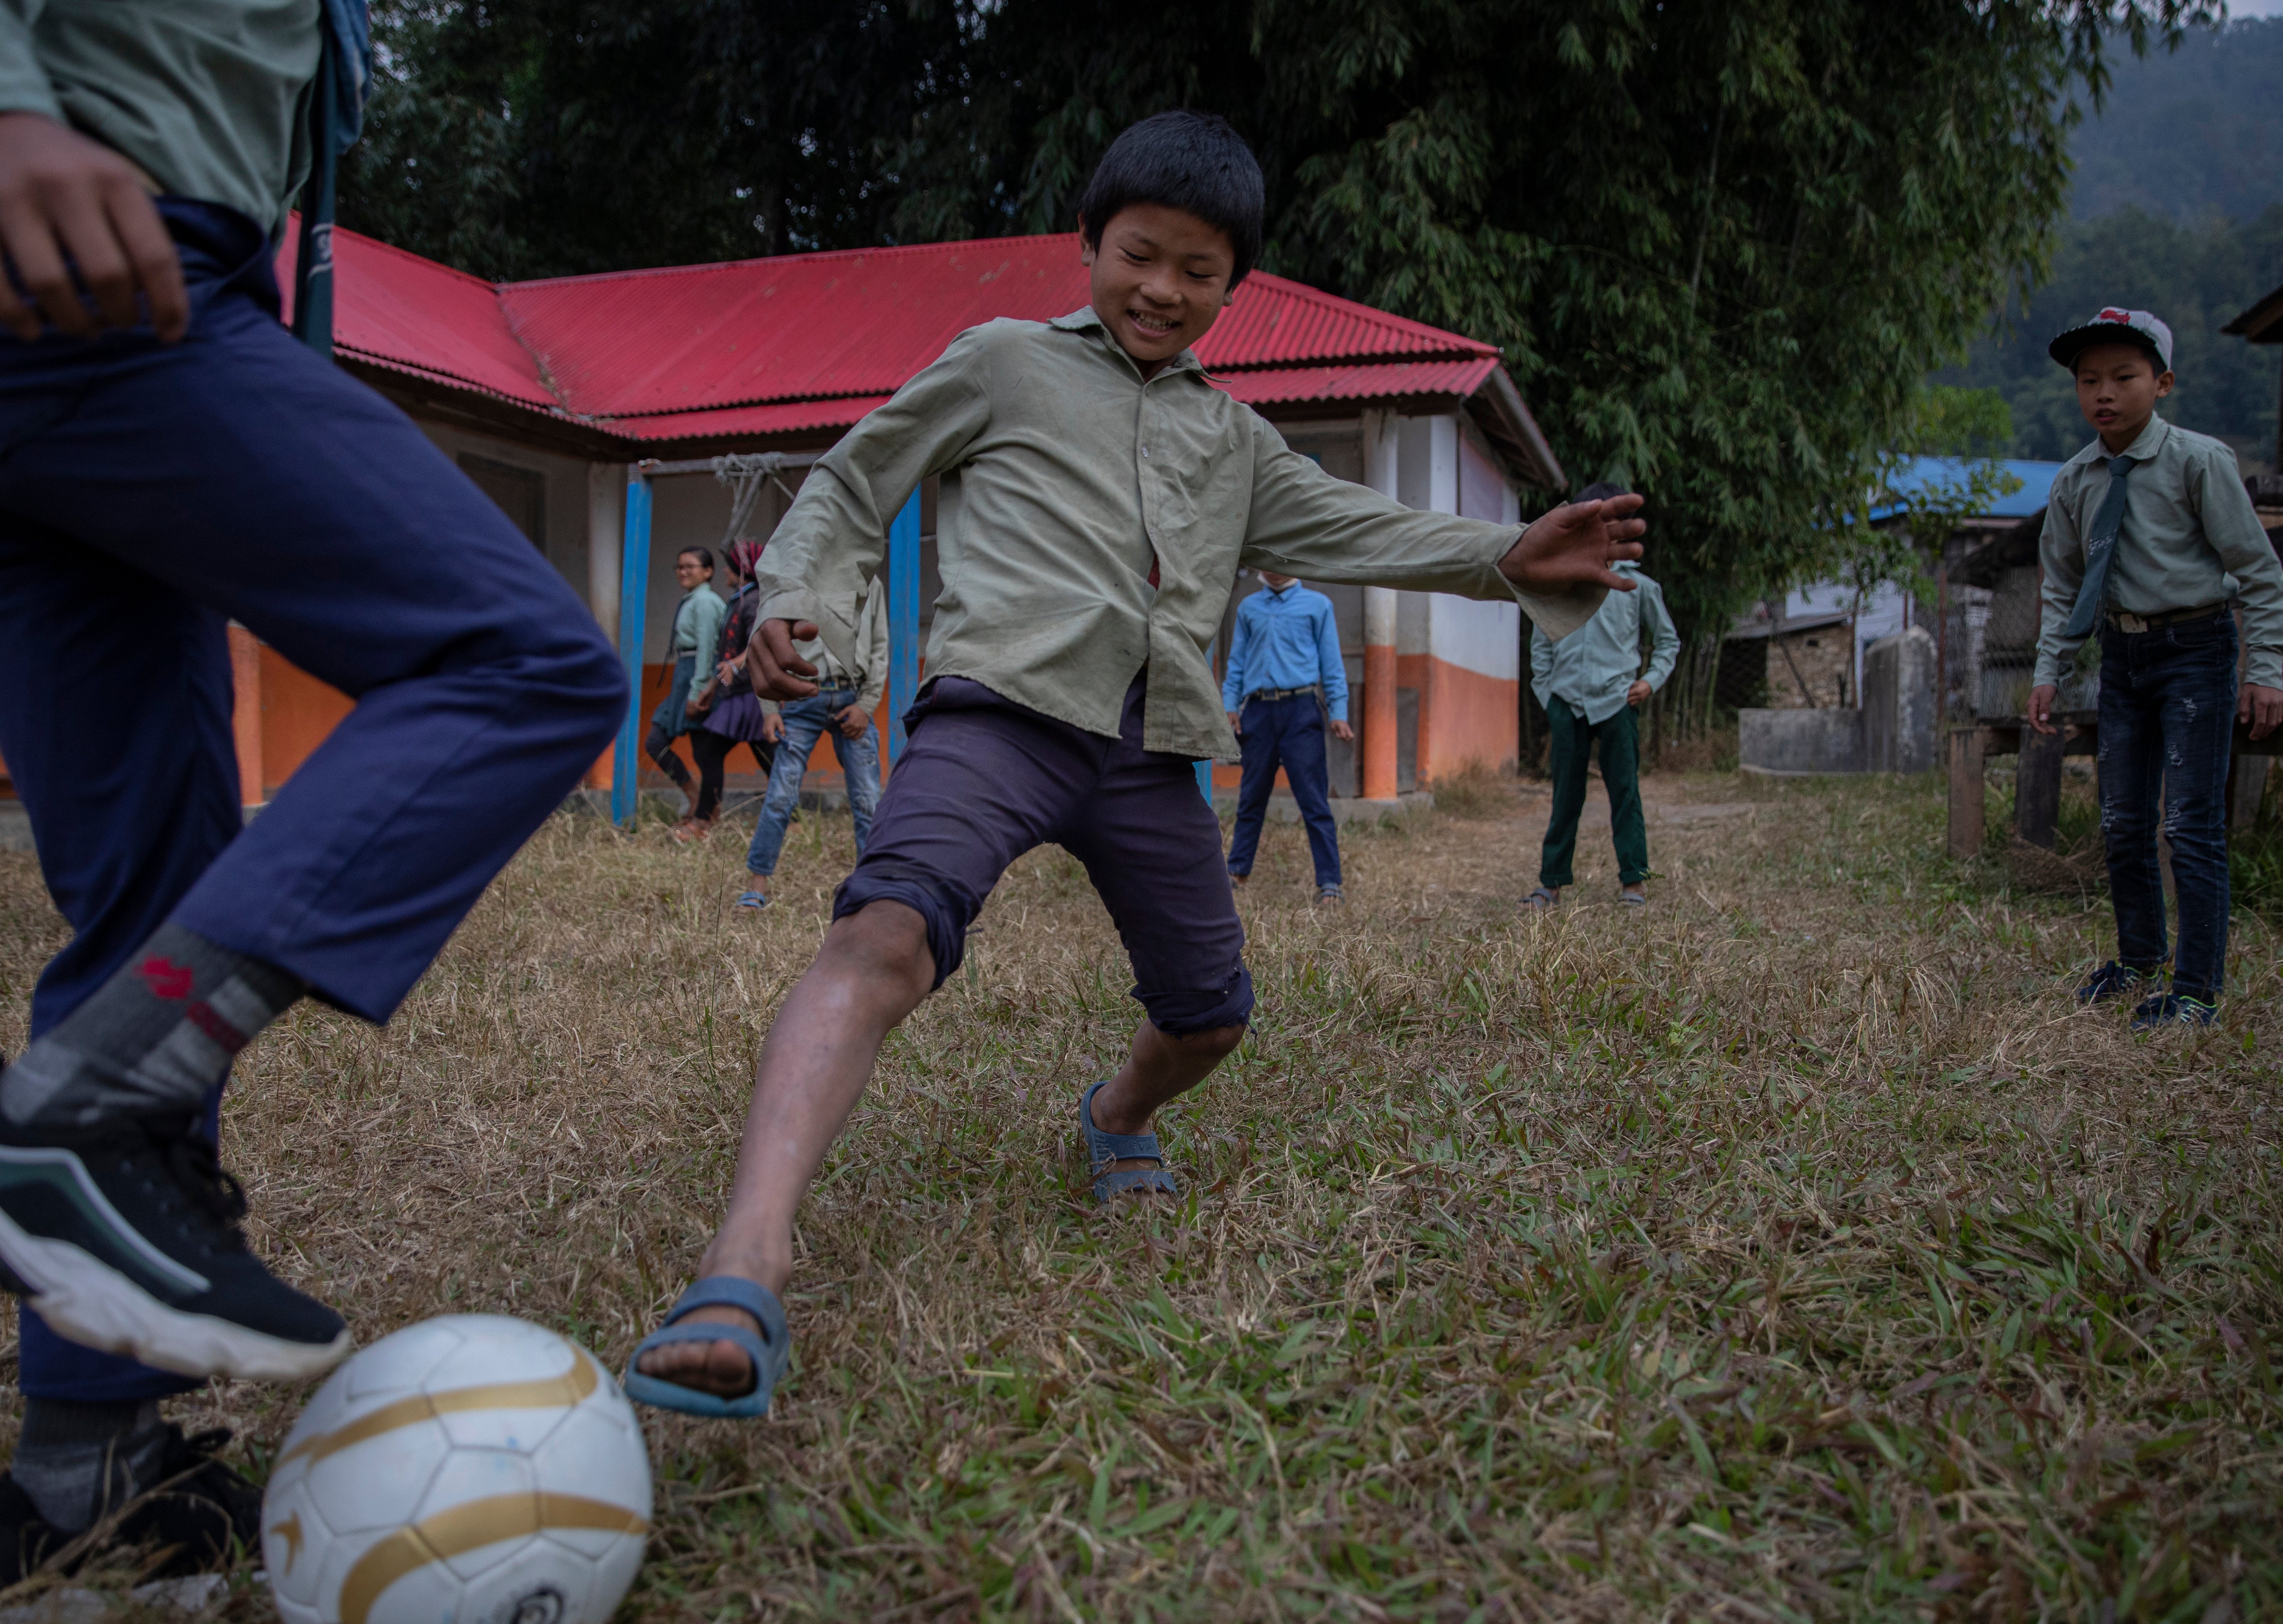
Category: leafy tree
[1720,246]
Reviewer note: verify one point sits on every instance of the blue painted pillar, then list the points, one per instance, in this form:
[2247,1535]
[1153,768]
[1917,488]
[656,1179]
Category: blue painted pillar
[634,609]
[903,621]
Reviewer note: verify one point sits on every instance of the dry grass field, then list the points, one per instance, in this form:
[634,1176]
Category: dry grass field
[1794,1250]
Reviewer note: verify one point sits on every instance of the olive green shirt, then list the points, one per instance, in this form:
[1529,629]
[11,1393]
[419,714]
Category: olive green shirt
[1064,476]
[2189,537]
[207,95]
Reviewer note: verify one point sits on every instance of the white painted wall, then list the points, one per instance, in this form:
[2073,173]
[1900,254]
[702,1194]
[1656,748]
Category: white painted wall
[1477,636]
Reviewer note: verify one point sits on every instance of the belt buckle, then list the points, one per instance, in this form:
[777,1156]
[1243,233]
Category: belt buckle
[2132,623]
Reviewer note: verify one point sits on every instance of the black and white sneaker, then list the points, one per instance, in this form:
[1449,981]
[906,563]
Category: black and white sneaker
[125,1237]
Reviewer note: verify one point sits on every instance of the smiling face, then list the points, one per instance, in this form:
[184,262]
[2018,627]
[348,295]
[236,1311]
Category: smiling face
[1160,277]
[2117,388]
[690,572]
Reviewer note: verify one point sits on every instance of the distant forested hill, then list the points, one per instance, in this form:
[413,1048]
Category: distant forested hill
[2177,208]
[2190,133]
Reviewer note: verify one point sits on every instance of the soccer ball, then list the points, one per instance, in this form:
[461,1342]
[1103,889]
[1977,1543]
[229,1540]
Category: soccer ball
[469,1470]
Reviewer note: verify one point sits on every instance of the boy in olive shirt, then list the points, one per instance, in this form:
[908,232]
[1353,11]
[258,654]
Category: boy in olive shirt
[2150,541]
[1098,497]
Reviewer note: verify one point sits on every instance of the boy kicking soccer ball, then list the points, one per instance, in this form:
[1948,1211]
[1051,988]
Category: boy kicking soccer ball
[1099,495]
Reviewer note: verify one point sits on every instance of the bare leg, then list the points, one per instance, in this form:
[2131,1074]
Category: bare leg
[1160,1068]
[872,972]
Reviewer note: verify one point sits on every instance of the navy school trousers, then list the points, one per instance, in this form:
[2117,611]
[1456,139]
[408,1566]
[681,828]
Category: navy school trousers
[1288,733]
[149,495]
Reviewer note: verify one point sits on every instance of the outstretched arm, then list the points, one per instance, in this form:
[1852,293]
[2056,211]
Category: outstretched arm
[827,550]
[1305,522]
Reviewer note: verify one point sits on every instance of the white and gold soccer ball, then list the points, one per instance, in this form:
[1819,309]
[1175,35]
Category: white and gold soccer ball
[469,1470]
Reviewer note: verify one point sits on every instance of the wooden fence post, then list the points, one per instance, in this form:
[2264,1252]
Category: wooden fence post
[1966,810]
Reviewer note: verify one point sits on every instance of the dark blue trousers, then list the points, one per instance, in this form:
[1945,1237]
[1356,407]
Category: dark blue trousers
[2167,729]
[1286,733]
[149,495]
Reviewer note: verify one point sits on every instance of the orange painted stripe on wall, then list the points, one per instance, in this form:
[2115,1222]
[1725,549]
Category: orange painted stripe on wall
[1465,718]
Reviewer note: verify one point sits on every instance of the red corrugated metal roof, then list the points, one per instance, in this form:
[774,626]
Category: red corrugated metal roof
[414,314]
[814,341]
[1284,385]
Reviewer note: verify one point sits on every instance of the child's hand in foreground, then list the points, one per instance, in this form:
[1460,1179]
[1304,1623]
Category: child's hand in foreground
[779,673]
[68,204]
[1575,545]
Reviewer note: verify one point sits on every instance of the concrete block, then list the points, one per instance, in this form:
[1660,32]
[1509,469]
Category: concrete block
[1898,703]
[1797,744]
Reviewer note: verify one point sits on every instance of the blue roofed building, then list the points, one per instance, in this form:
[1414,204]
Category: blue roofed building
[1807,653]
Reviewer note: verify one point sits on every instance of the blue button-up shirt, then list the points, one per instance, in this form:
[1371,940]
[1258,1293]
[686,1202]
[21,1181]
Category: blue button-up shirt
[1286,639]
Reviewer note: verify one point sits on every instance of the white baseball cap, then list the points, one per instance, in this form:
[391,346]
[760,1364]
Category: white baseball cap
[2113,325]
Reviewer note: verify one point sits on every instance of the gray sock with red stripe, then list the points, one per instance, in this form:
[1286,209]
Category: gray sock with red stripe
[156,1037]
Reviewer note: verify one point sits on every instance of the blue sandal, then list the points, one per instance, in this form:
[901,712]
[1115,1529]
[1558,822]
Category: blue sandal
[1104,1151]
[769,1350]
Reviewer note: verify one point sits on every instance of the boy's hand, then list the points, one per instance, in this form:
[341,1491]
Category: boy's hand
[1237,725]
[2262,707]
[1342,732]
[2041,707]
[66,204]
[1574,545]
[852,722]
[779,673]
[772,730]
[1639,693]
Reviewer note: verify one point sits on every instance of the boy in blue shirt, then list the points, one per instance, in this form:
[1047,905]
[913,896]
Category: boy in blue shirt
[1099,495]
[1285,647]
[2150,541]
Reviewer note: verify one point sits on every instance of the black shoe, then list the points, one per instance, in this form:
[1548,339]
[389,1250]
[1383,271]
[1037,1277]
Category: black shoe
[2173,1009]
[2113,979]
[26,1541]
[197,1515]
[125,1237]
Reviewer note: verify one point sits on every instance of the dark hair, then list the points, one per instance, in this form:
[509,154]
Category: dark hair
[1192,161]
[703,555]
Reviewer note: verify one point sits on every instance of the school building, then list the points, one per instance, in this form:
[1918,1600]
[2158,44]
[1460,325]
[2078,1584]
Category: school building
[592,410]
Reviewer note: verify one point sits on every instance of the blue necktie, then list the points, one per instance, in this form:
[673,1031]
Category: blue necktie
[2100,552]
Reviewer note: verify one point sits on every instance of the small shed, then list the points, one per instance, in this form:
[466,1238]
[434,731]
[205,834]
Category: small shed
[2262,323]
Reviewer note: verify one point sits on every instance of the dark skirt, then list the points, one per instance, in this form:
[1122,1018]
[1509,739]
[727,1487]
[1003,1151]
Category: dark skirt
[738,717]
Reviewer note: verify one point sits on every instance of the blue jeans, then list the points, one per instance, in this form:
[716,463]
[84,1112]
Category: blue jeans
[2167,727]
[149,495]
[1290,733]
[806,721]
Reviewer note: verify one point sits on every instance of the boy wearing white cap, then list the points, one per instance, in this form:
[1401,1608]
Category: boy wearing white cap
[2150,541]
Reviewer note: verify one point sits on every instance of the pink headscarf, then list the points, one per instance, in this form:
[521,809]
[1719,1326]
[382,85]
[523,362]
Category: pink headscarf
[744,552]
